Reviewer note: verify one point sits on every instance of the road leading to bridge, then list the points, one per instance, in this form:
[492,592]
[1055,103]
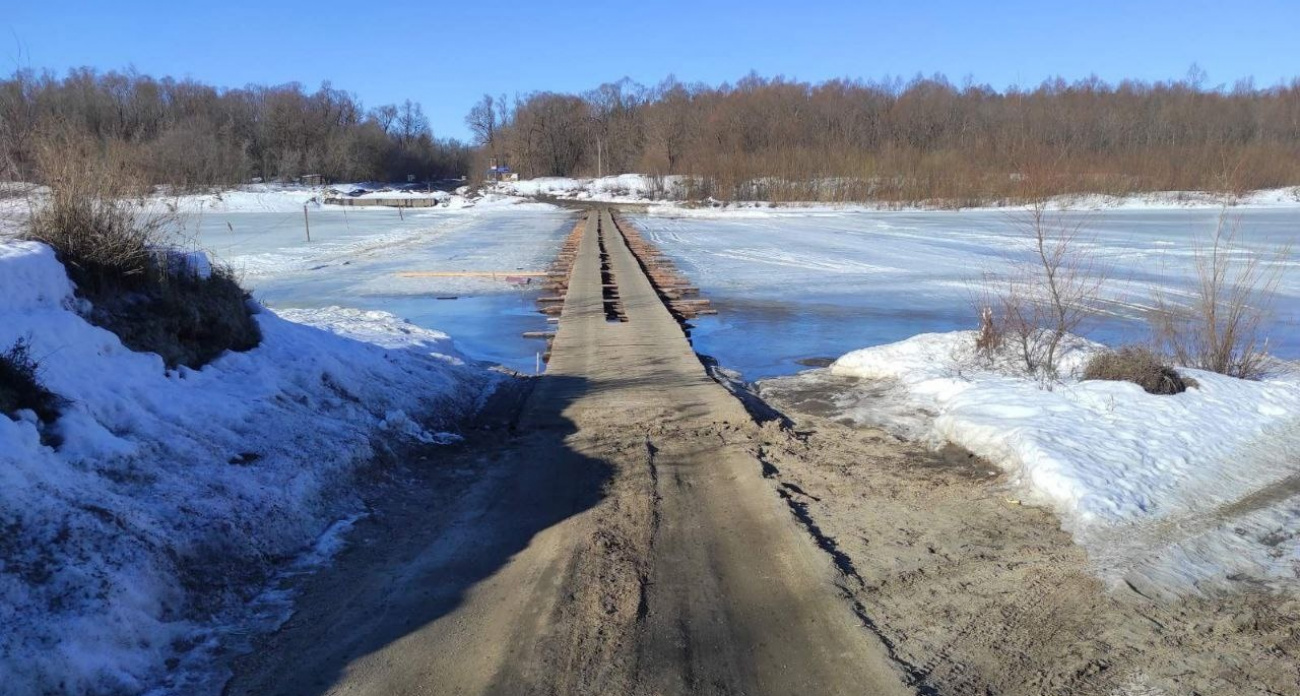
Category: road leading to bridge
[623,541]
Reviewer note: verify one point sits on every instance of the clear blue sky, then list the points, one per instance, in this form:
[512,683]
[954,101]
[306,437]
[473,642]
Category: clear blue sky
[446,55]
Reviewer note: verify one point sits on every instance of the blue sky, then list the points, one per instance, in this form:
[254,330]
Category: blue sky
[447,55]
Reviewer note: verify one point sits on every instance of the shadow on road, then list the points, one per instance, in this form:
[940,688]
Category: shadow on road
[453,523]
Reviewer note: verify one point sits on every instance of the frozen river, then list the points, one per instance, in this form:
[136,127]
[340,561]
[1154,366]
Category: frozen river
[355,257]
[798,285]
[790,285]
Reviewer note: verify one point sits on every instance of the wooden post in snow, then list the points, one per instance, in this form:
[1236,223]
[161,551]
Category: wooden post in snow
[306,223]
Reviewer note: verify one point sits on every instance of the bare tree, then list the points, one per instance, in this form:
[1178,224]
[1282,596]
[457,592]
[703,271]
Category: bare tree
[411,122]
[482,122]
[926,139]
[385,116]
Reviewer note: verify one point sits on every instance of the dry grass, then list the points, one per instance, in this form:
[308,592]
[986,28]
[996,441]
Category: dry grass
[991,337]
[20,385]
[115,253]
[186,319]
[1138,365]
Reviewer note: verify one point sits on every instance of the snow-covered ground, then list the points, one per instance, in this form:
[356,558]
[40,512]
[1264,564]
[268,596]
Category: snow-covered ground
[1166,492]
[792,285]
[664,195]
[623,188]
[174,492]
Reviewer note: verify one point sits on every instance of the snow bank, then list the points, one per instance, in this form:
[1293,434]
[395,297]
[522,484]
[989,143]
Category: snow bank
[664,195]
[175,493]
[1181,491]
[1268,199]
[623,188]
[289,199]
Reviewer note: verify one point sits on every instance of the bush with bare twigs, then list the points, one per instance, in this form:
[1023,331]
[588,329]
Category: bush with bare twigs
[1047,296]
[1221,329]
[116,253]
[90,212]
[1138,365]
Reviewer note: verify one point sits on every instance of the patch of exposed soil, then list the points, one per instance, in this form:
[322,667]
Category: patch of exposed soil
[983,595]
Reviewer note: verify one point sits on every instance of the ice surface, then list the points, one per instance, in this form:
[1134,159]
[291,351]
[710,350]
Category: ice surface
[794,284]
[356,255]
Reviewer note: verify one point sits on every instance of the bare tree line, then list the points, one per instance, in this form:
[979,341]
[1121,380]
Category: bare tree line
[764,139]
[778,139]
[184,132]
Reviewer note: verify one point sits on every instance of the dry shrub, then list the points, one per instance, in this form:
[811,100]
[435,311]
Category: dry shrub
[1221,329]
[1048,295]
[187,319]
[115,253]
[20,385]
[1138,365]
[990,338]
[90,214]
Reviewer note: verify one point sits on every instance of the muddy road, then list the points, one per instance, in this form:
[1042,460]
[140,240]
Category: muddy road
[627,527]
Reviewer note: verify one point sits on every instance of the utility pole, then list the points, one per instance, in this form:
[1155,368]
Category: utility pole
[600,146]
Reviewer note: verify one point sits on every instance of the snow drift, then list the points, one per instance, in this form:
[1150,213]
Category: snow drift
[173,494]
[1178,492]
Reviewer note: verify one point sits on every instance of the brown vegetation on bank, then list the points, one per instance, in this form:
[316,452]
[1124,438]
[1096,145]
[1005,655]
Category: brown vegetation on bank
[121,258]
[1220,328]
[20,385]
[927,139]
[1138,365]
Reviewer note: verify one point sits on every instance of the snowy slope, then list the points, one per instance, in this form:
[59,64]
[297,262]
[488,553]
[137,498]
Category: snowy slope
[1153,486]
[174,493]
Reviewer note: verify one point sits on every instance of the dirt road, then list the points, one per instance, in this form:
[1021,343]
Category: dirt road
[628,545]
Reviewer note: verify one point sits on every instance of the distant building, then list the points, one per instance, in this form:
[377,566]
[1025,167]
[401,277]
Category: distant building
[499,170]
[502,174]
[311,179]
